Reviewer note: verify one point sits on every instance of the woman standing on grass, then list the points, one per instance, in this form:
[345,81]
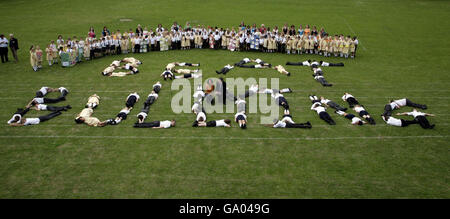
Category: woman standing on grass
[91,32]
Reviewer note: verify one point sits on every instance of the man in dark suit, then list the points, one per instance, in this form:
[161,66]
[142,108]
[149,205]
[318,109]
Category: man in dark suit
[14,46]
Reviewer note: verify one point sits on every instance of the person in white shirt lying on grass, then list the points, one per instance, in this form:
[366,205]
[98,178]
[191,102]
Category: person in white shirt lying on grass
[327,102]
[396,104]
[33,121]
[287,122]
[397,122]
[44,107]
[355,120]
[315,63]
[214,123]
[225,69]
[156,124]
[420,118]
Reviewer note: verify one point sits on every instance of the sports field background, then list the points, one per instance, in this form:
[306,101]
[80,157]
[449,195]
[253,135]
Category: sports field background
[403,52]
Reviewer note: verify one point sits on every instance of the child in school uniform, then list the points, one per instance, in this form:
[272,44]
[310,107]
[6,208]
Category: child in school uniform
[33,58]
[335,45]
[224,41]
[341,46]
[87,50]
[137,44]
[60,41]
[288,44]
[142,44]
[80,50]
[49,55]
[117,44]
[168,41]
[54,51]
[294,41]
[39,55]
[183,42]
[237,44]
[124,43]
[346,48]
[352,48]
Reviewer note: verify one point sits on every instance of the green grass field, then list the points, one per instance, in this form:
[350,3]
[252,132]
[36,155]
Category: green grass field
[403,52]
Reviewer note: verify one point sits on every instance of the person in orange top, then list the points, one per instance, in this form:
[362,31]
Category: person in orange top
[307,30]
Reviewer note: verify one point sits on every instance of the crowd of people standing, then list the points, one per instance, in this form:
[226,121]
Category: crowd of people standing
[288,40]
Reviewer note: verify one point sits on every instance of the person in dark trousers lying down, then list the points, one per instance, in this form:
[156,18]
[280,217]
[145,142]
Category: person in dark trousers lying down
[318,76]
[364,114]
[242,62]
[17,116]
[396,104]
[225,69]
[321,111]
[131,100]
[355,120]
[420,118]
[398,122]
[214,123]
[156,124]
[350,99]
[287,122]
[315,63]
[43,107]
[152,97]
[327,102]
[34,121]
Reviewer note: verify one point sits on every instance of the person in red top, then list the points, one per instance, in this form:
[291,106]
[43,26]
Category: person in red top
[91,32]
[262,29]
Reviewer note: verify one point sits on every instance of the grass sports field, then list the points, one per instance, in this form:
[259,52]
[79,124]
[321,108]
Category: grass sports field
[403,52]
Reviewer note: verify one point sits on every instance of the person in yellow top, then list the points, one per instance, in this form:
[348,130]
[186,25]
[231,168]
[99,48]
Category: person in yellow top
[33,58]
[307,30]
[131,60]
[329,46]
[323,46]
[119,74]
[224,41]
[49,55]
[85,116]
[335,44]
[87,50]
[288,44]
[341,46]
[39,55]
[124,44]
[282,70]
[294,44]
[93,101]
[54,52]
[271,44]
[185,71]
[346,48]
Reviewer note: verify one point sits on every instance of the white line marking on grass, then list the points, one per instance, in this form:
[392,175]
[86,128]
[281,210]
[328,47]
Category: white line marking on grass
[226,138]
[354,33]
